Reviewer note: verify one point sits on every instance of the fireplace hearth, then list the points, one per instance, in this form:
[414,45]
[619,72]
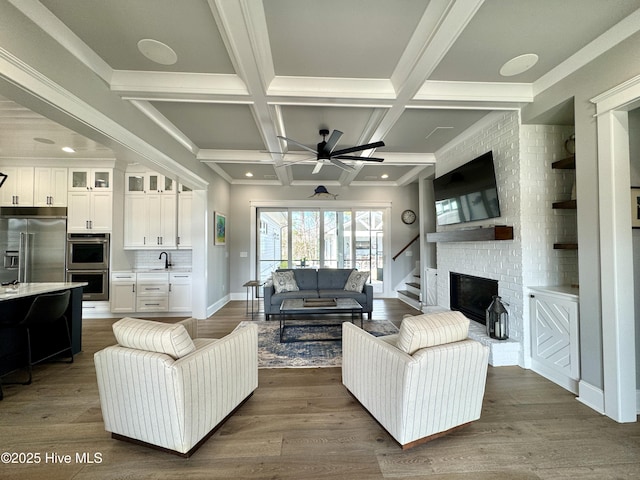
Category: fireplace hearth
[471,295]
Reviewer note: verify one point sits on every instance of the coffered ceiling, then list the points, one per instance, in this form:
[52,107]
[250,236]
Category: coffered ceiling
[236,74]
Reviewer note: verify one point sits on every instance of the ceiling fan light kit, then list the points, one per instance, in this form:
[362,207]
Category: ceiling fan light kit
[325,151]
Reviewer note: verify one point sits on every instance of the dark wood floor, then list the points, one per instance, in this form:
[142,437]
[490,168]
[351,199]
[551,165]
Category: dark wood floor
[302,424]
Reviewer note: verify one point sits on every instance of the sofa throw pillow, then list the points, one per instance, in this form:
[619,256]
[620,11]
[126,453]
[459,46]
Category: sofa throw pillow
[356,281]
[429,330]
[284,281]
[169,338]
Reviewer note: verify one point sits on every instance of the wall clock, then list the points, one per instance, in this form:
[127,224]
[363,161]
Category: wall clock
[408,217]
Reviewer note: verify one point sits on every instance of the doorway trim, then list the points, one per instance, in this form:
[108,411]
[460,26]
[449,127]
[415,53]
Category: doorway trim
[616,248]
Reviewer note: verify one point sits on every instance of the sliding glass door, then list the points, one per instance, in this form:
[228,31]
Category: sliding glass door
[327,238]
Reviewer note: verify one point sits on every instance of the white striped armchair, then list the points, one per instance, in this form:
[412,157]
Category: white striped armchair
[420,383]
[162,386]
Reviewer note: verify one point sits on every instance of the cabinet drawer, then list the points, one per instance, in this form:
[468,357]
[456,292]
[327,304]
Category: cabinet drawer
[124,277]
[179,278]
[146,289]
[152,304]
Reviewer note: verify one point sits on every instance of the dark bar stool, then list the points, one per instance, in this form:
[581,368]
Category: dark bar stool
[45,312]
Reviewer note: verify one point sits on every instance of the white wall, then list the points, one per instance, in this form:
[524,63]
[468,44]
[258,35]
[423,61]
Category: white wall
[241,225]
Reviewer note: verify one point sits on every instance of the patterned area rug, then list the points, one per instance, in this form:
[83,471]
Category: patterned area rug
[309,352]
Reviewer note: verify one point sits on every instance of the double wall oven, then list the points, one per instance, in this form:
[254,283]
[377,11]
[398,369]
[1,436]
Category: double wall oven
[88,261]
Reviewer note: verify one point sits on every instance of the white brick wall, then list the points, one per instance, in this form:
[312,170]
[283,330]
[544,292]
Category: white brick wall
[526,187]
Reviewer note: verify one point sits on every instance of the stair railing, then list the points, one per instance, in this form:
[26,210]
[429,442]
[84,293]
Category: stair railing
[405,247]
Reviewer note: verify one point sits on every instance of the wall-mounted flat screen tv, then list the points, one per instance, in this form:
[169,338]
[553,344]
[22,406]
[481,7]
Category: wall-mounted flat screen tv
[468,193]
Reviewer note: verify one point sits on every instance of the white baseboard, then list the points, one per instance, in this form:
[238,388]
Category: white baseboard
[213,308]
[592,397]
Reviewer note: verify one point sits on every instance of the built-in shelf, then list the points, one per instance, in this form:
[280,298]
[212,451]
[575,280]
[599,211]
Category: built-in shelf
[565,205]
[568,163]
[565,246]
[501,232]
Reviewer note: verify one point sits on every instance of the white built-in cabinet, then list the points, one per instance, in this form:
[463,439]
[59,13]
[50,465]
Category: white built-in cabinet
[150,292]
[50,187]
[154,215]
[90,200]
[17,190]
[555,343]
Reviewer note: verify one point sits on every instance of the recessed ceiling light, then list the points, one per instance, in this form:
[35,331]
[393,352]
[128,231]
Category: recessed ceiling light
[519,64]
[44,140]
[384,176]
[157,51]
[68,150]
[248,174]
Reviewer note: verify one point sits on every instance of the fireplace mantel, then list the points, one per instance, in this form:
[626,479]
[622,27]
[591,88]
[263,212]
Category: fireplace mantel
[497,232]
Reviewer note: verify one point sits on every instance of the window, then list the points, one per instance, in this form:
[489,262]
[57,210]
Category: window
[321,238]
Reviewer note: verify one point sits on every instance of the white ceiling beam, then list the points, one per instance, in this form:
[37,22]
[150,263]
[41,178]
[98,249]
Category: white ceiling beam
[243,28]
[47,21]
[446,20]
[178,85]
[475,91]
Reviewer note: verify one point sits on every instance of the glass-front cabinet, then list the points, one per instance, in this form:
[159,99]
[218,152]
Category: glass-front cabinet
[149,182]
[83,179]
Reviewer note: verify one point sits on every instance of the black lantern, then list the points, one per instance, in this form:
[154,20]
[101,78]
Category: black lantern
[497,320]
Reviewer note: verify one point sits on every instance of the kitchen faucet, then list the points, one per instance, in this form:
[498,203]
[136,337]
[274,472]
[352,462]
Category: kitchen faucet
[166,259]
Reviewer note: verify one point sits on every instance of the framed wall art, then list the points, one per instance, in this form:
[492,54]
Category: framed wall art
[219,229]
[635,207]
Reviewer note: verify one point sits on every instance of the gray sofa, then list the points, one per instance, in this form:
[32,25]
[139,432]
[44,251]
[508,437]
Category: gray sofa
[320,283]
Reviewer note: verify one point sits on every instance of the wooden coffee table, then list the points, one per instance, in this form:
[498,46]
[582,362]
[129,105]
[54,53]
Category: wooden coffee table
[296,306]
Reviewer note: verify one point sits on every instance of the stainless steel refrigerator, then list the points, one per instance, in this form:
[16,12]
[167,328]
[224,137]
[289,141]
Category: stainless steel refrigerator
[33,244]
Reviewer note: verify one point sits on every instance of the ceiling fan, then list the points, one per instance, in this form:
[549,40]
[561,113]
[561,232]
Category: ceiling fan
[325,151]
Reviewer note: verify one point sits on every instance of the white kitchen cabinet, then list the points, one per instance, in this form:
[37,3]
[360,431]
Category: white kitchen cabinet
[152,291]
[17,190]
[179,292]
[185,201]
[50,187]
[90,179]
[90,210]
[150,221]
[123,292]
[555,343]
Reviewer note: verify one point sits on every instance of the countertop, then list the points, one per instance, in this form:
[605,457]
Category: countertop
[31,289]
[560,290]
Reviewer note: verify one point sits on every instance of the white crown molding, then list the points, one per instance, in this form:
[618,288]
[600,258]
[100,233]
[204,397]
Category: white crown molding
[319,203]
[620,97]
[475,91]
[609,39]
[47,21]
[175,85]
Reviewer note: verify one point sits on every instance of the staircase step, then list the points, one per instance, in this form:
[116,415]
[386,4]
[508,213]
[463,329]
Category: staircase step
[410,295]
[413,284]
[410,299]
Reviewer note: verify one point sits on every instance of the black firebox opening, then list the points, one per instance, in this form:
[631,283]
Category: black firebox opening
[471,295]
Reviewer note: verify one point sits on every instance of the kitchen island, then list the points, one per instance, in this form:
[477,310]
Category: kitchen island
[14,304]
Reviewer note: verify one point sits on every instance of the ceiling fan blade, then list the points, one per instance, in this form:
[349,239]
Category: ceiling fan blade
[288,140]
[333,140]
[342,165]
[317,168]
[361,159]
[359,148]
[286,164]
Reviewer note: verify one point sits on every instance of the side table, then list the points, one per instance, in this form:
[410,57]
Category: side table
[252,284]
